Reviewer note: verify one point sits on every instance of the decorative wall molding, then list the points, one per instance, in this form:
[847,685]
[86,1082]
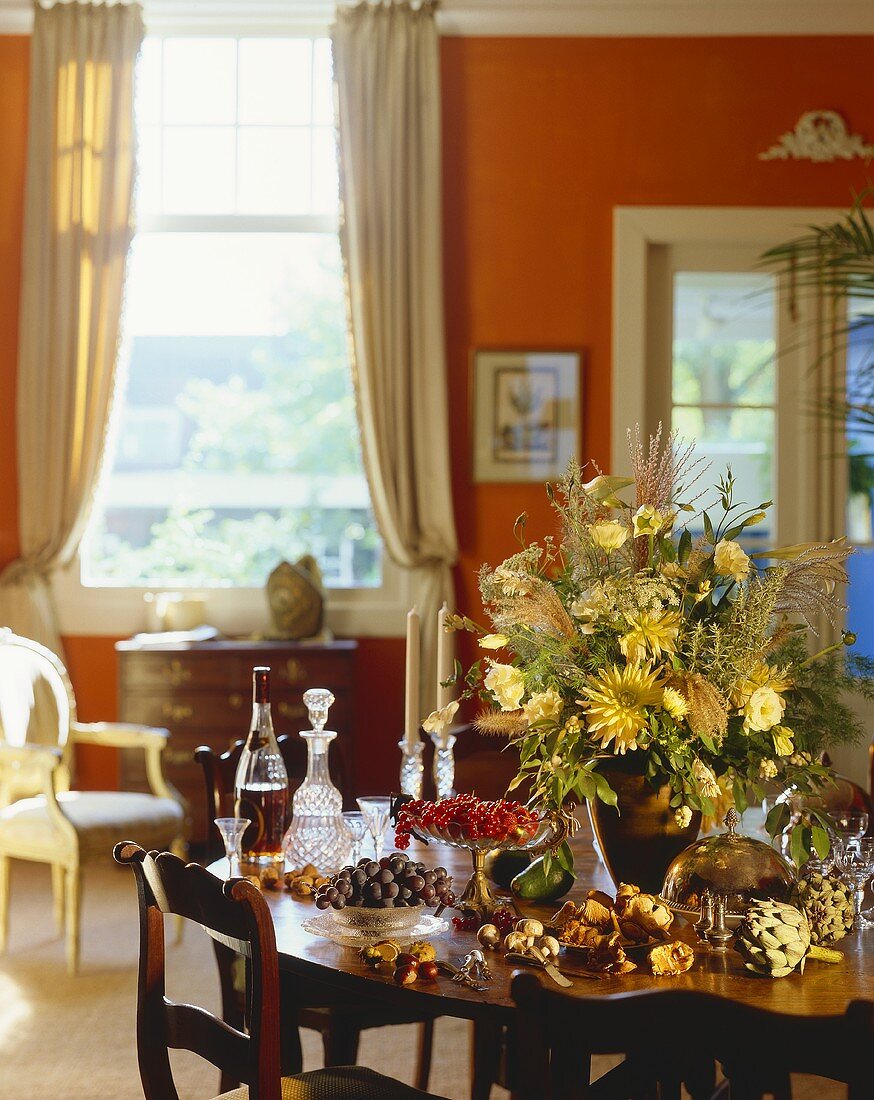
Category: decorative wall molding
[820,136]
[590,18]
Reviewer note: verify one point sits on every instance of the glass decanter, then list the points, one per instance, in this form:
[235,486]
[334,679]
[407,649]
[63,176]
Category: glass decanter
[317,834]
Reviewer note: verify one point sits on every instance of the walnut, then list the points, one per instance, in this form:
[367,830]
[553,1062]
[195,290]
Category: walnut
[304,881]
[270,878]
[671,958]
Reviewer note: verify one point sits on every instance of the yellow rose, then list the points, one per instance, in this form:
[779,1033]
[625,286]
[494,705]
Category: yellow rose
[647,520]
[706,780]
[543,706]
[763,710]
[438,720]
[609,534]
[493,641]
[783,744]
[729,560]
[683,817]
[507,685]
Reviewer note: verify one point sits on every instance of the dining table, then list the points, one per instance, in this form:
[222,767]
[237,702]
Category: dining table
[337,975]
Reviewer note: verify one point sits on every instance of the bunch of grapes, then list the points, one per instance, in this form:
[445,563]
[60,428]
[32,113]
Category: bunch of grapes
[395,882]
[466,818]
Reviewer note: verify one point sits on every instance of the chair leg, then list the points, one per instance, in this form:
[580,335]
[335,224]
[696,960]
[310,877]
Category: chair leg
[179,847]
[340,1041]
[423,1056]
[73,906]
[4,903]
[486,1058]
[58,896]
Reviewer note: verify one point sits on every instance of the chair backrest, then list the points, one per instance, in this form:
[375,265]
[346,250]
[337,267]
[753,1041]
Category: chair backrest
[238,913]
[37,705]
[557,1034]
[219,770]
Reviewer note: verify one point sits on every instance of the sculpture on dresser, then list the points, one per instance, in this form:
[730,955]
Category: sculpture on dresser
[297,599]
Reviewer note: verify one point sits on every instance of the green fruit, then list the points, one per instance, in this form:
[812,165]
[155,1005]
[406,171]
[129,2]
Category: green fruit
[534,884]
[502,866]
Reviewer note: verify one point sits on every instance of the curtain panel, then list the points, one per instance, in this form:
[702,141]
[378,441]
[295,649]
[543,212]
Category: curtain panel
[77,231]
[386,70]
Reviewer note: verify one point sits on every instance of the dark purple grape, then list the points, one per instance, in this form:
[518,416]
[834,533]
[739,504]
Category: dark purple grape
[390,890]
[385,863]
[322,902]
[414,882]
[363,862]
[429,877]
[400,903]
[332,893]
[406,892]
[359,876]
[372,868]
[440,872]
[387,903]
[427,893]
[345,874]
[421,868]
[339,903]
[385,875]
[397,865]
[373,891]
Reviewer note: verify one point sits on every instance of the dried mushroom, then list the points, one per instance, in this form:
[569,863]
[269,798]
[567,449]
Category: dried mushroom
[671,958]
[596,915]
[624,894]
[601,897]
[608,956]
[649,915]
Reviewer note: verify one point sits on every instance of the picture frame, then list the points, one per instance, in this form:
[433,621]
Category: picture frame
[525,413]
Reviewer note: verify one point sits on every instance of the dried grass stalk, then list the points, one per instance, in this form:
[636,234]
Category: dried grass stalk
[501,723]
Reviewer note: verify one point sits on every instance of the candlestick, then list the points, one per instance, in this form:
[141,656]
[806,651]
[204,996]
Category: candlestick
[411,702]
[444,658]
[444,763]
[412,767]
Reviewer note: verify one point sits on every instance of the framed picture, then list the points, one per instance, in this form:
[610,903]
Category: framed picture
[526,414]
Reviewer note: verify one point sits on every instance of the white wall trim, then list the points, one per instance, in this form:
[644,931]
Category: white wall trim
[591,18]
[635,230]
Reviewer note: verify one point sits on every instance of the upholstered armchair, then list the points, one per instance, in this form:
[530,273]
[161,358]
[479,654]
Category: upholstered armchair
[41,818]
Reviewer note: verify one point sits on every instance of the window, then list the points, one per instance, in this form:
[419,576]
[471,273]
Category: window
[234,443]
[860,476]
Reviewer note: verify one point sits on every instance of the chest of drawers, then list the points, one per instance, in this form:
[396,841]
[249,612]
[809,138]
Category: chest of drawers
[202,693]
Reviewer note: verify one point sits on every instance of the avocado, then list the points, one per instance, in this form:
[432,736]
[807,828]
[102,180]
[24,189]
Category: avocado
[502,865]
[534,884]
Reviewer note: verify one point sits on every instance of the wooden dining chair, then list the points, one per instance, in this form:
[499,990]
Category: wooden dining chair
[340,1025]
[235,911]
[558,1033]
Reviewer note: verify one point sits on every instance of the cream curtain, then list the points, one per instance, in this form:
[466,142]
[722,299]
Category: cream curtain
[386,68]
[77,231]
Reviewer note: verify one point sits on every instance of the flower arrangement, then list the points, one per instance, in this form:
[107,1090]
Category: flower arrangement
[632,635]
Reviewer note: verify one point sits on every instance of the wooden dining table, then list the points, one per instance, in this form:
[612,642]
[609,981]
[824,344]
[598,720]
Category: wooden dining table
[340,975]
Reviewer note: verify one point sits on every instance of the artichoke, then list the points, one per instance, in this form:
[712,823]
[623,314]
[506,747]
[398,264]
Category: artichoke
[827,902]
[774,940]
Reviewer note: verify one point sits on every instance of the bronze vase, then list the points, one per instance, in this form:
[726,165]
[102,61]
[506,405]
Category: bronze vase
[639,842]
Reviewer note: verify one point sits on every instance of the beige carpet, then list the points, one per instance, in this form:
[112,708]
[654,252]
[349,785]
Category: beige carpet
[73,1038]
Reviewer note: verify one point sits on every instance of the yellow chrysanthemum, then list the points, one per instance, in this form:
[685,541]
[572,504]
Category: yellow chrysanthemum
[650,636]
[614,704]
[675,704]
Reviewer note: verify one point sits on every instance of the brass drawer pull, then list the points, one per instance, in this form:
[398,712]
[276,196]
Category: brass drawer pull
[294,672]
[291,710]
[176,674]
[235,700]
[177,712]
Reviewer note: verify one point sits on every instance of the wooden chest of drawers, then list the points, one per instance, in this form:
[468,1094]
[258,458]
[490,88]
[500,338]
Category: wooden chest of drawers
[202,693]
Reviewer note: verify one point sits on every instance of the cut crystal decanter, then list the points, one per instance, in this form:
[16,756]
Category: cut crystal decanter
[317,833]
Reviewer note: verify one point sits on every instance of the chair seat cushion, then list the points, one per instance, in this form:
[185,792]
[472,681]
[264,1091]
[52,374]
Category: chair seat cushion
[340,1083]
[101,818]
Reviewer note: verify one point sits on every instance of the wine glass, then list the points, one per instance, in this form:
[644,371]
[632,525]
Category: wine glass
[848,826]
[357,826]
[232,829]
[376,811]
[854,860]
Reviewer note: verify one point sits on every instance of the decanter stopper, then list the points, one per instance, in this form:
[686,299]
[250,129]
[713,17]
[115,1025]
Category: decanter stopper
[318,702]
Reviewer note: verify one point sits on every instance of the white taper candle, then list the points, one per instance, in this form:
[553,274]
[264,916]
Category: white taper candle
[411,700]
[444,658]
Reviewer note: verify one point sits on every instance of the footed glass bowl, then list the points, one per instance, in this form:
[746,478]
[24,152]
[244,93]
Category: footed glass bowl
[551,831]
[381,922]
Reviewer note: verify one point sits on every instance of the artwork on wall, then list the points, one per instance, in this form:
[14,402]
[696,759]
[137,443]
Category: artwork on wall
[526,414]
[819,136]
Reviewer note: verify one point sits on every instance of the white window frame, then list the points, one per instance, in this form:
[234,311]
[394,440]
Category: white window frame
[120,611]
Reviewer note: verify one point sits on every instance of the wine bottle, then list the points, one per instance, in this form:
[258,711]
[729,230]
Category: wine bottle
[261,782]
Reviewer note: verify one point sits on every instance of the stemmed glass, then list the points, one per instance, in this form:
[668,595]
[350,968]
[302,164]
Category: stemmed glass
[376,811]
[848,826]
[357,826]
[232,829]
[854,860]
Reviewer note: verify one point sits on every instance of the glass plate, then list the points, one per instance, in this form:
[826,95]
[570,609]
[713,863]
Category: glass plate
[325,926]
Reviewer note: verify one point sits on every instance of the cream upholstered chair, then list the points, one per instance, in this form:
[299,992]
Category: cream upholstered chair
[41,819]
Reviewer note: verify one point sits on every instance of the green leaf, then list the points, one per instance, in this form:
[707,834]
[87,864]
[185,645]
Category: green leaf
[564,857]
[739,792]
[708,528]
[685,547]
[799,845]
[820,839]
[603,790]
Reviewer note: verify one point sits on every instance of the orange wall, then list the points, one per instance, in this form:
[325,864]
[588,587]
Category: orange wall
[542,138]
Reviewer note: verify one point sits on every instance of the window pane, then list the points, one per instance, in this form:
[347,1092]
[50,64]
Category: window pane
[148,185]
[323,88]
[200,80]
[724,338]
[199,170]
[275,81]
[237,445]
[326,188]
[148,83]
[274,170]
[743,439]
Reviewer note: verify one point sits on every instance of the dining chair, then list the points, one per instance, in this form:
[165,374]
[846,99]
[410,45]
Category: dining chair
[340,1025]
[557,1034]
[41,818]
[236,912]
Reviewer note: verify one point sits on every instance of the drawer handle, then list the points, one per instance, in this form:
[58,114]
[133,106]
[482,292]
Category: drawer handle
[291,710]
[235,700]
[294,672]
[177,712]
[176,674]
